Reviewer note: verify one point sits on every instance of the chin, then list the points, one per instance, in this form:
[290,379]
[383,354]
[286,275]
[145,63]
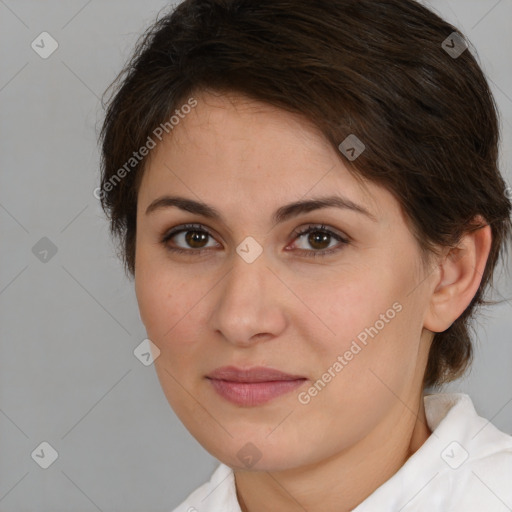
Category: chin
[249,452]
[262,459]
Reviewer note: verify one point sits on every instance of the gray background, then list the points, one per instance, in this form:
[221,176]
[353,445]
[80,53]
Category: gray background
[69,325]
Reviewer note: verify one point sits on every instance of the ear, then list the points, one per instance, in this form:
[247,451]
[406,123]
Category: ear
[460,274]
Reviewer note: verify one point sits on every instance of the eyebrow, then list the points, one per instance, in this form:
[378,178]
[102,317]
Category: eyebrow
[281,214]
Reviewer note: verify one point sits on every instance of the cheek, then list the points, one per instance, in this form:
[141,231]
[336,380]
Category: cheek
[160,309]
[348,306]
[168,300]
[158,296]
[369,322]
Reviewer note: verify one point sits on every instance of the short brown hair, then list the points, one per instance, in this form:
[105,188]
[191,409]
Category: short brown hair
[373,68]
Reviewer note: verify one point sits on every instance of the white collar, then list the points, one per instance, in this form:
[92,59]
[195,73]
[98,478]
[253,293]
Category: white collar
[433,478]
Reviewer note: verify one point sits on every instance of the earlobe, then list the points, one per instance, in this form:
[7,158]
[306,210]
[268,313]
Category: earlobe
[460,274]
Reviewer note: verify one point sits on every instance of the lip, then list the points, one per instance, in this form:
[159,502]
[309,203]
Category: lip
[254,374]
[253,386]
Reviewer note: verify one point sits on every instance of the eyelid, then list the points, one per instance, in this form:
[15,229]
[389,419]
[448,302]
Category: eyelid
[170,233]
[342,239]
[320,227]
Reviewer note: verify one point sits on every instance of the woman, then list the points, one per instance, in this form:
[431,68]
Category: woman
[307,197]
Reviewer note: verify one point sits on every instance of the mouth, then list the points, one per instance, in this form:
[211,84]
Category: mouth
[254,386]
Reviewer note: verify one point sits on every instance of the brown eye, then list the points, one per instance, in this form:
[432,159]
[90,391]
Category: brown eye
[319,239]
[190,238]
[196,239]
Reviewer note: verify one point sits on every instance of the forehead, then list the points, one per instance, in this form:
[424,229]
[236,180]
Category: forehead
[232,148]
[236,127]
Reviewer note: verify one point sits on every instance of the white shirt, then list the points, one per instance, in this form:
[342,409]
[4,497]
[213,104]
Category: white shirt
[465,465]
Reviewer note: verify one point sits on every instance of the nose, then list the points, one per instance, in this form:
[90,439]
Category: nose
[249,304]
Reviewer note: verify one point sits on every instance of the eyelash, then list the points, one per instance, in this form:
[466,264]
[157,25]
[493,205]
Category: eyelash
[296,234]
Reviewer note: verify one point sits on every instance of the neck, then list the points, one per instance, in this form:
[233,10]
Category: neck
[343,481]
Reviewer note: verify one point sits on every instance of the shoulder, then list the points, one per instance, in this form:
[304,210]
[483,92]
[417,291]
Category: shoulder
[219,493]
[476,457]
[481,483]
[479,464]
[464,466]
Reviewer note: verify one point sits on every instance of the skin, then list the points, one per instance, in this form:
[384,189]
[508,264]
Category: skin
[289,311]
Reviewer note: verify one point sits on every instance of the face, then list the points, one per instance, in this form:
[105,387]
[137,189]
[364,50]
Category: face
[330,295]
